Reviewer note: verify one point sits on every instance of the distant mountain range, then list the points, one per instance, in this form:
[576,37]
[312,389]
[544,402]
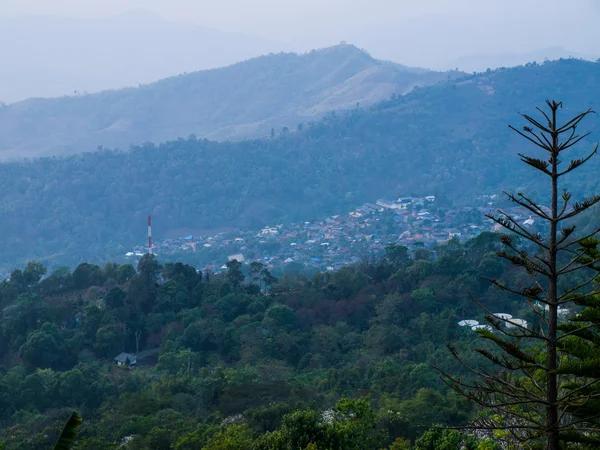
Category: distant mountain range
[441,41]
[481,62]
[247,99]
[450,140]
[47,56]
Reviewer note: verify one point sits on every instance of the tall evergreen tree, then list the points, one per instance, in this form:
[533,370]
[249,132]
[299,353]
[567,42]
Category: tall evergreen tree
[581,345]
[528,392]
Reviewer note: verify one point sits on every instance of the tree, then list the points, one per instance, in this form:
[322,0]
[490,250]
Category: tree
[24,314]
[234,437]
[438,439]
[350,425]
[256,268]
[280,316]
[582,345]
[109,340]
[17,279]
[67,437]
[115,298]
[267,278]
[61,280]
[44,348]
[86,275]
[33,273]
[234,273]
[149,268]
[110,271]
[529,393]
[125,273]
[396,255]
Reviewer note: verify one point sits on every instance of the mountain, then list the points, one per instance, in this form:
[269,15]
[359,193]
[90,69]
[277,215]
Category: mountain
[437,40]
[53,56]
[481,62]
[450,140]
[247,99]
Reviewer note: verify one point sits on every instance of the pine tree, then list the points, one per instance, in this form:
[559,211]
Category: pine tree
[581,345]
[529,394]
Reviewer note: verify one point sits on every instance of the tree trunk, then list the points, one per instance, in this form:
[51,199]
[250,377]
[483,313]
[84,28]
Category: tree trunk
[138,335]
[551,378]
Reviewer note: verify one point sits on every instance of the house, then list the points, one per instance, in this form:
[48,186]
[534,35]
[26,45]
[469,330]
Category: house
[126,358]
[387,204]
[453,232]
[372,207]
[238,257]
[405,200]
[268,231]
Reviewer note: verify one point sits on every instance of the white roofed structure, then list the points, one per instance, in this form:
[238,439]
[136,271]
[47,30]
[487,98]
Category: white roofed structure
[516,323]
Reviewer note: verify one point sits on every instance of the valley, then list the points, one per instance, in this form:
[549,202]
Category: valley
[295,251]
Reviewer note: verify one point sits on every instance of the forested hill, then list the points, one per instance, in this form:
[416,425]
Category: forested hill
[449,140]
[265,356]
[247,99]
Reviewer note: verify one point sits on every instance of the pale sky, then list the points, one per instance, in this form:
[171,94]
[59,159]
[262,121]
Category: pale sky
[316,21]
[438,34]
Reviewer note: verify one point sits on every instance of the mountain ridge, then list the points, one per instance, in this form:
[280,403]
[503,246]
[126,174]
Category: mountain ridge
[243,100]
[44,60]
[450,140]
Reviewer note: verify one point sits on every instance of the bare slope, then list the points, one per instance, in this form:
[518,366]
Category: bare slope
[247,99]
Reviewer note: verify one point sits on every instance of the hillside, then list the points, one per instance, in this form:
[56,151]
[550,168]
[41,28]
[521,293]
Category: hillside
[449,140]
[247,99]
[483,61]
[212,350]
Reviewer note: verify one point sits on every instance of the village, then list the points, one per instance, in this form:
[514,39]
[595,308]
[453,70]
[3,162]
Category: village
[336,241]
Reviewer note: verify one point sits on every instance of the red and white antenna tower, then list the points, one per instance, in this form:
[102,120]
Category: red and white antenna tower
[150,234]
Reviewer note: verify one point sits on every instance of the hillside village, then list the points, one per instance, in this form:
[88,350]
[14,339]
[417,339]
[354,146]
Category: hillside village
[330,243]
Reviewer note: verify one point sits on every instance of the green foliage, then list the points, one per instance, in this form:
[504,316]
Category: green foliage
[350,425]
[234,273]
[46,348]
[67,437]
[234,437]
[222,366]
[280,316]
[440,439]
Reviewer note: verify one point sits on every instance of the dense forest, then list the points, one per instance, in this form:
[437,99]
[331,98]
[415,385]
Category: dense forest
[244,100]
[450,138]
[242,360]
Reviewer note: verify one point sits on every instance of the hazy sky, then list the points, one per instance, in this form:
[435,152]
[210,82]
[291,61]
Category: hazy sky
[44,56]
[319,22]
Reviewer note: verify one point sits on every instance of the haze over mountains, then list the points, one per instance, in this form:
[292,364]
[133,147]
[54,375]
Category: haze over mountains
[43,59]
[481,62]
[443,41]
[115,48]
[244,100]
[449,139]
